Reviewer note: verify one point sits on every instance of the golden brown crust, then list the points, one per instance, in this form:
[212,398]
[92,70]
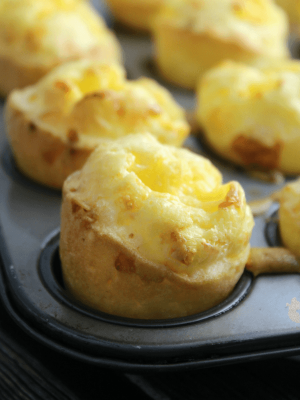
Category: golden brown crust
[289,216]
[247,116]
[35,37]
[252,152]
[174,45]
[272,260]
[101,271]
[135,14]
[17,75]
[39,154]
[192,36]
[79,104]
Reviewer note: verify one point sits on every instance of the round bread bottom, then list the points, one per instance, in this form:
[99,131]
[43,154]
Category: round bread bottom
[250,153]
[133,14]
[39,154]
[111,276]
[14,75]
[183,57]
[288,216]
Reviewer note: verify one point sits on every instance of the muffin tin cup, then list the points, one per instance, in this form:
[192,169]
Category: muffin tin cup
[51,275]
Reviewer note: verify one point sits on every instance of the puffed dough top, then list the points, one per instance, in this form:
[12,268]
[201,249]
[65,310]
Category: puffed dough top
[289,216]
[180,234]
[85,100]
[252,115]
[37,35]
[257,25]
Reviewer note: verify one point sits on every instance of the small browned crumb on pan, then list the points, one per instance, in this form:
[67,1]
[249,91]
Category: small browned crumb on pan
[293,307]
[271,261]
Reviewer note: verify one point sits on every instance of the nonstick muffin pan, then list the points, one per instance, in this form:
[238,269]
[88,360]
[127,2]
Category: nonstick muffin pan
[252,323]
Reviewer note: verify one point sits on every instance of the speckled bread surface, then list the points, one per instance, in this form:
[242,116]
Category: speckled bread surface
[135,14]
[55,124]
[149,231]
[191,36]
[252,115]
[289,216]
[292,8]
[37,35]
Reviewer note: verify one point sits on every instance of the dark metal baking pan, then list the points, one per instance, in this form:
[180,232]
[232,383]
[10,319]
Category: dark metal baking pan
[253,323]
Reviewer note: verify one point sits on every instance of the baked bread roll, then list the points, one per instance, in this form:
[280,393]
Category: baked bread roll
[149,231]
[55,124]
[37,35]
[251,116]
[292,8]
[191,36]
[289,216]
[135,14]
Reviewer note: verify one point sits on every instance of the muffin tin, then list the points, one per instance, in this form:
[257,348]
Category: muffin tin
[252,323]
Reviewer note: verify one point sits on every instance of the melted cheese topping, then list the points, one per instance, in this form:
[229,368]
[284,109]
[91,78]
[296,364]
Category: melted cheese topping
[87,100]
[258,25]
[47,32]
[257,106]
[289,216]
[168,204]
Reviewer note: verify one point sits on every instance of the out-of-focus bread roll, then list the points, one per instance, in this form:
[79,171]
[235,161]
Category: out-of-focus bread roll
[289,216]
[136,14]
[149,231]
[37,35]
[292,8]
[252,115]
[191,36]
[55,124]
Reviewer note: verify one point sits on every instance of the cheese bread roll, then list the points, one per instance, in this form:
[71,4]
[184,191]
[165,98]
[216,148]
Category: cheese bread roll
[135,14]
[191,36]
[55,124]
[252,115]
[149,231]
[37,35]
[289,216]
[292,8]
